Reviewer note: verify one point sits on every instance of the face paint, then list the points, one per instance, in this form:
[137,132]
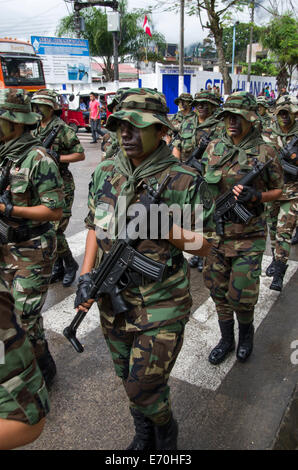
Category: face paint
[261,110]
[6,130]
[236,125]
[205,109]
[285,119]
[137,143]
[184,105]
[43,110]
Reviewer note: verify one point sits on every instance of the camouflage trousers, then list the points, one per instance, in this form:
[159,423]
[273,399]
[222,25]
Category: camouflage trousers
[61,225]
[144,360]
[23,394]
[282,221]
[26,270]
[234,284]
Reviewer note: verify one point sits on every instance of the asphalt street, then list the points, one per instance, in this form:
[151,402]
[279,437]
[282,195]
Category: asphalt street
[232,406]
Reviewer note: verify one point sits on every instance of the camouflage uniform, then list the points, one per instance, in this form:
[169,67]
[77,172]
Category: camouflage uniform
[233,268]
[178,118]
[146,341]
[265,119]
[34,180]
[23,395]
[65,143]
[283,213]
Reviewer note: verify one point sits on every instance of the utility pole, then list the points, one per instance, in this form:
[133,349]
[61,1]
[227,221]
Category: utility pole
[250,44]
[181,50]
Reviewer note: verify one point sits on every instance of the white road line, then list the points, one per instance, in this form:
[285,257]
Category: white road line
[202,334]
[77,243]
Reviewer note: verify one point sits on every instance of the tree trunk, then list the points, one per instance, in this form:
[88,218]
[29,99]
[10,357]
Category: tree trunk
[282,78]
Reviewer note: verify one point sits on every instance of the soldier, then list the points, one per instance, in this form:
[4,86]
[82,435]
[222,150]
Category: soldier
[233,268]
[110,144]
[284,213]
[66,149]
[34,198]
[146,341]
[204,129]
[184,103]
[24,400]
[263,107]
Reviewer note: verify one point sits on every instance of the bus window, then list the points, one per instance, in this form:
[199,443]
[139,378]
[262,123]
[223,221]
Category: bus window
[19,71]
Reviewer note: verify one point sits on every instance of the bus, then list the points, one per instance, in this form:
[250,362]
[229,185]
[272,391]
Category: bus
[20,67]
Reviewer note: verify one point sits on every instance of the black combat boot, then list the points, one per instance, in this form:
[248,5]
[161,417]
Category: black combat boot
[271,268]
[71,267]
[278,277]
[295,238]
[200,264]
[57,271]
[193,262]
[245,344]
[46,364]
[166,435]
[144,437]
[225,345]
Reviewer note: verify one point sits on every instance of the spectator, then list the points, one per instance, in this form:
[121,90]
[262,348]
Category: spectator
[94,118]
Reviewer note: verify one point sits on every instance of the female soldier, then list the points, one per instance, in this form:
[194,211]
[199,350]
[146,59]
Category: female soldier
[145,341]
[31,197]
[233,268]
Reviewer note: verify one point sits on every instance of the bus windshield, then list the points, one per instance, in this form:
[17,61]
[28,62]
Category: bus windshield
[21,71]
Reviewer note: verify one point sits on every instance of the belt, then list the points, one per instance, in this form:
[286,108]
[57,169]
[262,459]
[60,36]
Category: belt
[22,234]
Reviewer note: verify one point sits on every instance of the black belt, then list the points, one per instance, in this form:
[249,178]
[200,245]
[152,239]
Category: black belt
[22,234]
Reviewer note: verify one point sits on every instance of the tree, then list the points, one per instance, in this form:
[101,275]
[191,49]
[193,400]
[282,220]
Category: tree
[261,67]
[242,35]
[132,39]
[281,37]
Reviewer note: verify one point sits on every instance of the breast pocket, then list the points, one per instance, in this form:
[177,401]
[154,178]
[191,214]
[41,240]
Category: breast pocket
[104,220]
[19,186]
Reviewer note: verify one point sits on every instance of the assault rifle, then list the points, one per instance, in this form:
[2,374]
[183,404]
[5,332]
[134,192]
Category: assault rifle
[194,159]
[290,169]
[227,202]
[5,229]
[112,275]
[49,140]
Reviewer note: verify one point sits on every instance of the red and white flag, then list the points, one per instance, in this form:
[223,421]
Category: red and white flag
[146,27]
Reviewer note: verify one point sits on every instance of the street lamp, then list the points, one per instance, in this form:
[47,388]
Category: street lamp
[234,38]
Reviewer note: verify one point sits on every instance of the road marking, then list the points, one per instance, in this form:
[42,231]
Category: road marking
[202,334]
[77,243]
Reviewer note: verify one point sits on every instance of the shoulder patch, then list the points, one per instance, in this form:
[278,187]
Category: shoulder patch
[205,195]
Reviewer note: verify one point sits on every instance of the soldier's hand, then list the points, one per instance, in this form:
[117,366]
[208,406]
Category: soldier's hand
[247,194]
[6,206]
[82,299]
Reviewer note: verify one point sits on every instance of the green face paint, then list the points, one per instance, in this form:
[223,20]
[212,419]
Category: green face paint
[43,110]
[136,143]
[6,130]
[285,119]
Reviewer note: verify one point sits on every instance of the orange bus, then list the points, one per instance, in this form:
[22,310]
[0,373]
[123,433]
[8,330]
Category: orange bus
[20,67]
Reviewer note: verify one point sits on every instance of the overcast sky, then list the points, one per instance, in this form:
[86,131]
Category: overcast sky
[23,18]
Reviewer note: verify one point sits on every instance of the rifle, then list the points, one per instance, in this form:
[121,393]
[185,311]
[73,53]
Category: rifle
[227,202]
[112,275]
[5,229]
[291,170]
[48,141]
[193,160]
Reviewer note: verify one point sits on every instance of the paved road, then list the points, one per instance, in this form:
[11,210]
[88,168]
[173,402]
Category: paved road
[231,406]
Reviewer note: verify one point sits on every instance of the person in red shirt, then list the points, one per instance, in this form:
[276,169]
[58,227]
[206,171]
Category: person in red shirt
[94,118]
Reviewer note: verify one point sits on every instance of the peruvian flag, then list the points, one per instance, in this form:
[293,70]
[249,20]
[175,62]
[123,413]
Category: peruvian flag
[146,26]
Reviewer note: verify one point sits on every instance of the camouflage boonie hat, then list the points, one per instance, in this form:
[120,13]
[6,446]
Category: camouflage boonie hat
[46,96]
[262,100]
[242,103]
[116,98]
[15,107]
[206,96]
[184,97]
[288,103]
[141,107]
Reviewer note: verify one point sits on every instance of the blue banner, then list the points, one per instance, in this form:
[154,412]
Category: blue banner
[60,46]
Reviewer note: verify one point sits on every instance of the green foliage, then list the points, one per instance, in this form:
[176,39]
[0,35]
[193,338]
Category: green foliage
[242,31]
[262,67]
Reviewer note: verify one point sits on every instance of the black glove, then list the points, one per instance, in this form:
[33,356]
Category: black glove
[83,291]
[6,200]
[250,194]
[54,154]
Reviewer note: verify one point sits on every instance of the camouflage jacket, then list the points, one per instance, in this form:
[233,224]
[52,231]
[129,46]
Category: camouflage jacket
[239,237]
[159,303]
[23,394]
[177,121]
[110,145]
[191,133]
[275,135]
[65,143]
[34,177]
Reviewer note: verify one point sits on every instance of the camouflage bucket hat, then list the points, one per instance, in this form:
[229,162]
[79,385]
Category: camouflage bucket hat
[141,107]
[242,103]
[263,101]
[15,107]
[116,98]
[46,96]
[206,96]
[184,97]
[287,103]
